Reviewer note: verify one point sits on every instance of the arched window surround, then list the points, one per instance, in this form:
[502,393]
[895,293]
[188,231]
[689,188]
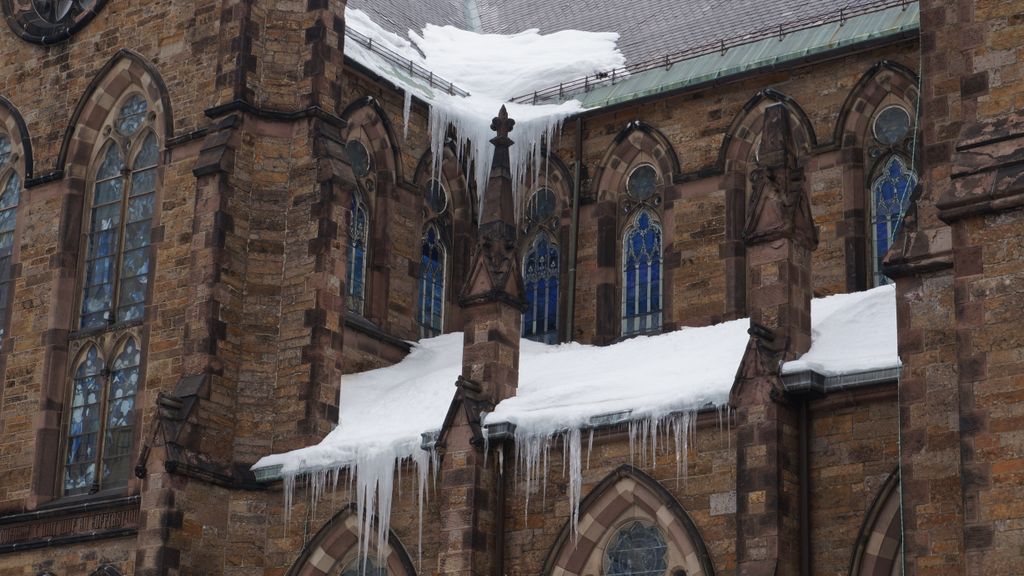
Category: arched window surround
[642,286]
[889,191]
[626,495]
[432,284]
[541,266]
[879,545]
[337,543]
[12,184]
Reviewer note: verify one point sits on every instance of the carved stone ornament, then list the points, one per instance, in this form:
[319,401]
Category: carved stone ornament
[779,206]
[49,21]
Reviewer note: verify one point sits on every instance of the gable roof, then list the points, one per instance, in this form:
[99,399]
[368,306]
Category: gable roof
[648,29]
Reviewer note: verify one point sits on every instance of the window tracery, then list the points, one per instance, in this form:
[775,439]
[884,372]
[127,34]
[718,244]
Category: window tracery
[10,193]
[430,298]
[637,549]
[540,279]
[358,233]
[641,274]
[890,196]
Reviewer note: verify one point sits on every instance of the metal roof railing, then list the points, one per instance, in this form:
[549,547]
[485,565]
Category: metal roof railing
[607,78]
[404,63]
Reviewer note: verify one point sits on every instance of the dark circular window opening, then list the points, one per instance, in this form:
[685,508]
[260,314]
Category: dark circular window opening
[49,21]
[541,205]
[358,157]
[637,549]
[642,182]
[437,199]
[891,125]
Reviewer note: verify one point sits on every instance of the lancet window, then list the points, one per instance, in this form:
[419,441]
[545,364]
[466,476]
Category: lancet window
[641,274]
[358,230]
[10,194]
[430,300]
[541,269]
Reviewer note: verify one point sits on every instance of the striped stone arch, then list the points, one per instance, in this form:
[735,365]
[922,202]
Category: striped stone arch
[879,547]
[106,570]
[885,82]
[125,71]
[337,544]
[368,122]
[627,495]
[13,125]
[738,145]
[638,143]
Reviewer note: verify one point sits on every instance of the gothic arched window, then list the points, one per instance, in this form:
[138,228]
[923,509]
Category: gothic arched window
[430,300]
[637,549]
[355,277]
[641,274]
[121,205]
[890,196]
[10,193]
[540,278]
[102,420]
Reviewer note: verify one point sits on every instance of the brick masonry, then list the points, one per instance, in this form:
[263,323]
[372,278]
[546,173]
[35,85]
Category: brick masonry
[254,102]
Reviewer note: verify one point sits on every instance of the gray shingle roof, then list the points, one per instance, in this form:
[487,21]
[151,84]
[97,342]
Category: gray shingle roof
[648,28]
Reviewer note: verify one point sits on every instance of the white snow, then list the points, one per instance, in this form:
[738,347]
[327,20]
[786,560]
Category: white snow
[851,333]
[493,68]
[656,383]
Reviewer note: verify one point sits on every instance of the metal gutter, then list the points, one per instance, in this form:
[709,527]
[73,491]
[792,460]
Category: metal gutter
[810,381]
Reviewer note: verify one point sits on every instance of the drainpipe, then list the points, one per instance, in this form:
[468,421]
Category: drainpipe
[499,521]
[805,491]
[574,231]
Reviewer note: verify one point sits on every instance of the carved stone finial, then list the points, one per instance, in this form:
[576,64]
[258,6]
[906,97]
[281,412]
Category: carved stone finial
[494,274]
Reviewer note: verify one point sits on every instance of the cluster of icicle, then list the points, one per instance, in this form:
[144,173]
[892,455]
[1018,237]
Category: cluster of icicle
[648,437]
[374,478]
[473,134]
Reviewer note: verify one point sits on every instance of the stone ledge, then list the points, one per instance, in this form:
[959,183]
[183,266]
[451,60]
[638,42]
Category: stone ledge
[69,524]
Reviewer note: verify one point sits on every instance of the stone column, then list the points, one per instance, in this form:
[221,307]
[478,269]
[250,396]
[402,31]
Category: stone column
[779,236]
[492,307]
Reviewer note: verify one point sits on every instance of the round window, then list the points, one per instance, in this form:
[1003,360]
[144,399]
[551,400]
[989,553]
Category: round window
[358,157]
[642,182]
[637,549]
[437,199]
[891,125]
[541,205]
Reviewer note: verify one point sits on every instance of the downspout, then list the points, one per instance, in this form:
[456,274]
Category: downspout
[574,232]
[805,491]
[499,520]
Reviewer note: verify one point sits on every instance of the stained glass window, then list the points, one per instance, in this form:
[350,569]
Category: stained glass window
[541,206]
[430,301]
[84,425]
[361,567]
[355,276]
[5,149]
[133,114]
[540,278]
[358,157]
[102,406]
[10,192]
[642,182]
[891,125]
[890,195]
[637,549]
[641,275]
[117,260]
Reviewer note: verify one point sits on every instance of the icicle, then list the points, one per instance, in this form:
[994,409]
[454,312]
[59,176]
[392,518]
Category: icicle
[590,446]
[572,438]
[406,109]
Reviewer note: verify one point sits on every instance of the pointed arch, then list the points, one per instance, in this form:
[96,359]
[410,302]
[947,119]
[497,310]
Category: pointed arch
[738,144]
[366,118]
[456,183]
[553,175]
[337,543]
[126,70]
[879,547]
[106,570]
[13,124]
[884,79]
[625,495]
[637,143]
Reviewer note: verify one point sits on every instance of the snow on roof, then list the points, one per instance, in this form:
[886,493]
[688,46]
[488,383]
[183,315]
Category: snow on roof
[385,411]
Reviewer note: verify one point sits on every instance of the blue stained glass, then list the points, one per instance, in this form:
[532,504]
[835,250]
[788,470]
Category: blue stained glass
[124,383]
[84,424]
[355,277]
[99,271]
[143,182]
[430,302]
[103,243]
[641,282]
[5,149]
[148,154]
[637,549]
[133,113]
[141,208]
[11,192]
[540,279]
[890,197]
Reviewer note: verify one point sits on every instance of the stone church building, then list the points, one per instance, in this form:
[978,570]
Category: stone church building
[216,213]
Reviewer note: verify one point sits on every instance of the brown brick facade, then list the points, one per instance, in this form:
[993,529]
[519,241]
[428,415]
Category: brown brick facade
[246,332]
